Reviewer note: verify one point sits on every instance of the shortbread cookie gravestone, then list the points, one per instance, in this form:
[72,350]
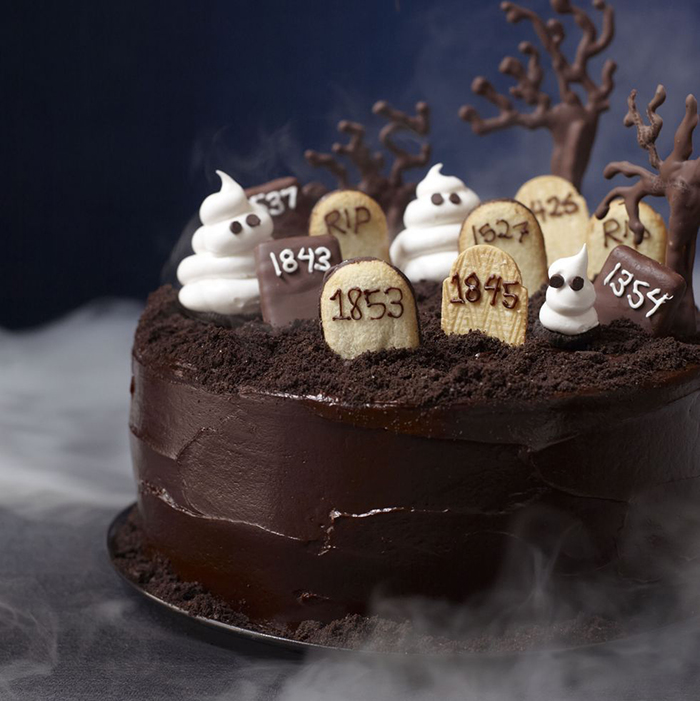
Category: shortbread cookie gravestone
[356,220]
[614,230]
[636,287]
[512,227]
[561,212]
[290,272]
[485,292]
[368,305]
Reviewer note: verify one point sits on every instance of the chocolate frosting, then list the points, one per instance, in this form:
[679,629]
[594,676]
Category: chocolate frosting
[300,507]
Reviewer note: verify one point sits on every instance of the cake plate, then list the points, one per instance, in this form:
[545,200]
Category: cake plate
[206,623]
[232,632]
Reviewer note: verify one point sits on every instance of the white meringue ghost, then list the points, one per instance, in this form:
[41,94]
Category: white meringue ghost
[427,247]
[220,277]
[568,307]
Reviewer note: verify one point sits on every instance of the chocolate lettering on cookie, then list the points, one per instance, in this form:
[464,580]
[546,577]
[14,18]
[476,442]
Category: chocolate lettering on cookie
[485,292]
[368,305]
[561,212]
[362,216]
[614,230]
[510,226]
[636,287]
[331,220]
[356,220]
[290,273]
[610,228]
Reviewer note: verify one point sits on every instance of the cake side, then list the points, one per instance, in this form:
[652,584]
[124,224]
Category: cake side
[296,508]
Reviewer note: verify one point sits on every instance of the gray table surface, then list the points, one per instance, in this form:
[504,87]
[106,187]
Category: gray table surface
[69,629]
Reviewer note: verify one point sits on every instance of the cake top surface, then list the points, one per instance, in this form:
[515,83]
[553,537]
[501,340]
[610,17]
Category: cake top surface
[444,370]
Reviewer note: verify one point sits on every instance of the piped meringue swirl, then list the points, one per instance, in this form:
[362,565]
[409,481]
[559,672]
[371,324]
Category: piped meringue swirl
[568,308]
[427,247]
[220,276]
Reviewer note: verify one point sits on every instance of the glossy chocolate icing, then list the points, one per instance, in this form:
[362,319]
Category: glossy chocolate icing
[299,508]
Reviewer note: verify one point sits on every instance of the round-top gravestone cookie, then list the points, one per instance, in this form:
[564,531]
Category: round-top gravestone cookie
[512,227]
[356,220]
[614,230]
[368,305]
[561,211]
[485,293]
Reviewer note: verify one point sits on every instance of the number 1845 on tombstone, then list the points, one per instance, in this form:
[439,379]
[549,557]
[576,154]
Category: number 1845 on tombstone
[485,292]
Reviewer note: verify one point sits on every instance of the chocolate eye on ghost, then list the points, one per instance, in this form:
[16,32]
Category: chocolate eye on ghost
[236,227]
[455,198]
[437,199]
[576,284]
[556,281]
[252,220]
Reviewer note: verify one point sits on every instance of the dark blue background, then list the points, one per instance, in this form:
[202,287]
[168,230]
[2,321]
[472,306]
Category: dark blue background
[114,115]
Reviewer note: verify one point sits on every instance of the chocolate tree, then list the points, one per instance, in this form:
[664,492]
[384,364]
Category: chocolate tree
[572,123]
[678,180]
[392,193]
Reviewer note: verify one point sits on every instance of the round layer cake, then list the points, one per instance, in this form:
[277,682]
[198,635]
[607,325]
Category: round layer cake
[297,486]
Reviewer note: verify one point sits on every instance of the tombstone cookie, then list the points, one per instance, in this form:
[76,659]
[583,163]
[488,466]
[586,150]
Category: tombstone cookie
[614,230]
[512,227]
[634,286]
[290,272]
[561,212]
[368,305]
[568,317]
[288,203]
[485,292]
[356,220]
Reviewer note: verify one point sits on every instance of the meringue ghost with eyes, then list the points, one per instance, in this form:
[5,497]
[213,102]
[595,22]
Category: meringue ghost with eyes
[568,308]
[427,247]
[220,276]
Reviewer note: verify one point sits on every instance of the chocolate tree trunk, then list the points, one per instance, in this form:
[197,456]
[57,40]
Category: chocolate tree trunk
[680,256]
[573,131]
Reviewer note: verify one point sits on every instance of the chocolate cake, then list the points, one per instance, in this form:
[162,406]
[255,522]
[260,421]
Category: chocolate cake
[425,429]
[296,485]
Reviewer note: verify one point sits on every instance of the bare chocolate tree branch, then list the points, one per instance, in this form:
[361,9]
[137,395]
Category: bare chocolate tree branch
[400,121]
[678,180]
[367,163]
[327,161]
[632,195]
[572,124]
[647,134]
[683,140]
[392,193]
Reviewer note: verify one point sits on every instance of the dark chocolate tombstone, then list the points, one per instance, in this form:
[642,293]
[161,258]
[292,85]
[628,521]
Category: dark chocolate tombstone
[289,204]
[290,272]
[634,286]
